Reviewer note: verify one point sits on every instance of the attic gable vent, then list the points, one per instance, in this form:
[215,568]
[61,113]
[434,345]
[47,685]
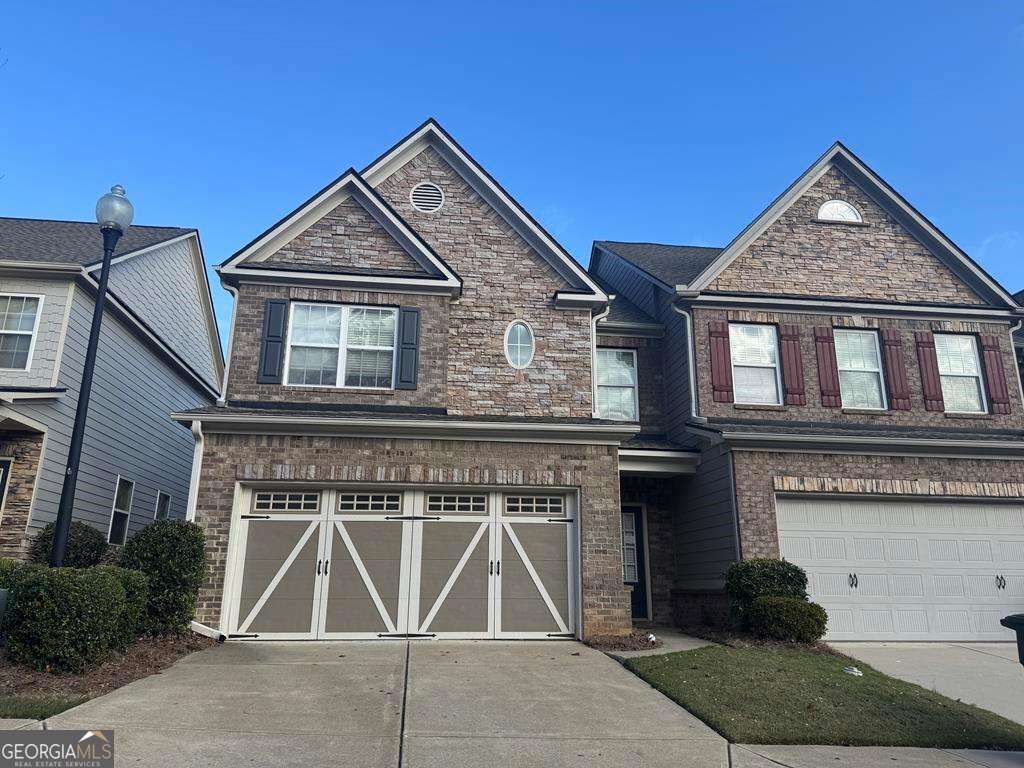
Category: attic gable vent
[426,197]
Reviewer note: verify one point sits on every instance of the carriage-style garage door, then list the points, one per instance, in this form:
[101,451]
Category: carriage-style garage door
[370,564]
[908,570]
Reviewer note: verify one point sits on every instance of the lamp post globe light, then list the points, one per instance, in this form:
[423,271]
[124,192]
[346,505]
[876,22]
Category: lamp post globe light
[114,215]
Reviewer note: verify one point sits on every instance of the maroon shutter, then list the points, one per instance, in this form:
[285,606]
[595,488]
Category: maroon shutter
[721,362]
[828,369]
[895,365]
[792,365]
[995,376]
[931,383]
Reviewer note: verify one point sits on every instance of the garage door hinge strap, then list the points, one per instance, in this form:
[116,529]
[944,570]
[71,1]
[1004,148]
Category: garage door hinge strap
[407,634]
[560,520]
[243,635]
[561,634]
[411,517]
[255,517]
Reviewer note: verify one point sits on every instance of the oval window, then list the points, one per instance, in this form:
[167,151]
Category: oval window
[519,344]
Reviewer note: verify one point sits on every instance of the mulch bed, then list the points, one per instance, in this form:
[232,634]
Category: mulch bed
[147,656]
[634,641]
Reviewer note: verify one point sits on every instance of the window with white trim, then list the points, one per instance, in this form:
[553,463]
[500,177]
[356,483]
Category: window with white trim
[960,373]
[456,503]
[122,510]
[535,505]
[286,501]
[617,384]
[839,210]
[19,321]
[860,369]
[519,344]
[163,506]
[629,565]
[369,502]
[755,364]
[335,345]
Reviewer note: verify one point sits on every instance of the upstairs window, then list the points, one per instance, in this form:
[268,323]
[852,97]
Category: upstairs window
[519,344]
[331,345]
[960,373]
[121,513]
[860,369]
[839,210]
[19,320]
[755,364]
[617,384]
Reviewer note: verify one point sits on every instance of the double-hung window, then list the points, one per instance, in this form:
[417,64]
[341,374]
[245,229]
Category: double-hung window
[860,369]
[616,384]
[755,364]
[960,373]
[122,511]
[19,320]
[333,345]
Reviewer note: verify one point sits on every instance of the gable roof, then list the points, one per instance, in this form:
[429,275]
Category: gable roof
[584,292]
[438,275]
[54,241]
[671,265]
[878,189]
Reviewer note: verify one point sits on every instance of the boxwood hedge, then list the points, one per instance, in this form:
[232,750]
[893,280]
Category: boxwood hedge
[789,619]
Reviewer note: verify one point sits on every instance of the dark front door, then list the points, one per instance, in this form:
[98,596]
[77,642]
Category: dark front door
[634,557]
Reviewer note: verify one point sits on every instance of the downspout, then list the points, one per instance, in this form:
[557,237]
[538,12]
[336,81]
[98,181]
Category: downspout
[1013,348]
[691,363]
[231,339]
[593,356]
[197,467]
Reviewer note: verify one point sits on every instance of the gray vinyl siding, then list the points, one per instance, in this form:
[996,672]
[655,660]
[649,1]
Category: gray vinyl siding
[162,288]
[43,364]
[705,529]
[676,346]
[128,430]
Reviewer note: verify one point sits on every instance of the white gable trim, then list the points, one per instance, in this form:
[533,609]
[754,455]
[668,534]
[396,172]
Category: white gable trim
[431,134]
[878,187]
[349,184]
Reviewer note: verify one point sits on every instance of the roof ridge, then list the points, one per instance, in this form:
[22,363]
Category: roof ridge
[663,245]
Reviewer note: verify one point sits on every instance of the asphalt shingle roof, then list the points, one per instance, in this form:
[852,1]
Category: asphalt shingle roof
[672,264]
[71,242]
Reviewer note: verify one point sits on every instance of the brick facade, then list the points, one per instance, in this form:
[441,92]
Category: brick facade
[231,458]
[917,416]
[798,255]
[650,370]
[756,474]
[25,448]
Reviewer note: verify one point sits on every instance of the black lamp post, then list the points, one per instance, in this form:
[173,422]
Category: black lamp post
[114,215]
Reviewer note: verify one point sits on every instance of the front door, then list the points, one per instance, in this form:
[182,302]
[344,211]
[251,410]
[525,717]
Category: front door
[634,560]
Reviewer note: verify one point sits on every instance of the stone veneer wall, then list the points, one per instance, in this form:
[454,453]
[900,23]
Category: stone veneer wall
[25,448]
[231,458]
[761,474]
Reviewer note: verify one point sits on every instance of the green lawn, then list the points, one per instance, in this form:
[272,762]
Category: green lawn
[37,707]
[781,695]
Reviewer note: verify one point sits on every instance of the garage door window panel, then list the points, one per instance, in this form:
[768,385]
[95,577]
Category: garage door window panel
[960,373]
[754,351]
[860,369]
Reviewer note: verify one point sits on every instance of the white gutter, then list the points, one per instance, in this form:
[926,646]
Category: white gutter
[231,340]
[197,468]
[691,365]
[595,319]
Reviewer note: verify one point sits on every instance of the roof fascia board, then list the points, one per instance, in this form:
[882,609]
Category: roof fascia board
[817,305]
[43,268]
[432,134]
[660,284]
[598,434]
[447,287]
[885,446]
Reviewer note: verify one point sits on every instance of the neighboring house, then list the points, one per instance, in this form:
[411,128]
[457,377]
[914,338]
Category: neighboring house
[845,376]
[159,352]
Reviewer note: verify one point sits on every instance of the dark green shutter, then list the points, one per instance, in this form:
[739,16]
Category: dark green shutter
[408,348]
[275,329]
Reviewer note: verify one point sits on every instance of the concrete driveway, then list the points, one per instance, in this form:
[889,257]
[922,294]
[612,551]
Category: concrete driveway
[986,674]
[394,704]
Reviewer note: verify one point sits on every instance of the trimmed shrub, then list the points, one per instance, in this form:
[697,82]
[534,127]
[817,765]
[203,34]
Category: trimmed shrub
[789,619]
[748,580]
[62,619]
[7,566]
[172,554]
[86,546]
[133,612]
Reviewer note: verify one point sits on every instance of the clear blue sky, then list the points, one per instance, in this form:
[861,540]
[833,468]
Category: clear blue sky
[673,123]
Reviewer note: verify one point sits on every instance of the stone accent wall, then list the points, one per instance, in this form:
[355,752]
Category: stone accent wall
[650,377]
[504,280]
[798,255]
[759,476]
[922,487]
[235,458]
[245,351]
[917,416]
[25,448]
[347,238]
[657,496]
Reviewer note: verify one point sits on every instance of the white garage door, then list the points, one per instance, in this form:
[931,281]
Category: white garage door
[907,570]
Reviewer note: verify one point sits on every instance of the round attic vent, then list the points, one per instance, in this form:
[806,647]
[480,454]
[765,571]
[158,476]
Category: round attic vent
[426,197]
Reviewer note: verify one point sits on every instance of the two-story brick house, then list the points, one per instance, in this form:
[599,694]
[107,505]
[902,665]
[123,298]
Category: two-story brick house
[847,375]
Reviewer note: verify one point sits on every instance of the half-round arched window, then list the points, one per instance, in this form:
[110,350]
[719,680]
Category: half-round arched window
[519,344]
[839,210]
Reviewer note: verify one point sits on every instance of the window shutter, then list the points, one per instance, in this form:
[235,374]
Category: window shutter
[721,362]
[931,383]
[895,367]
[408,348]
[275,329]
[792,365]
[828,368]
[995,375]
